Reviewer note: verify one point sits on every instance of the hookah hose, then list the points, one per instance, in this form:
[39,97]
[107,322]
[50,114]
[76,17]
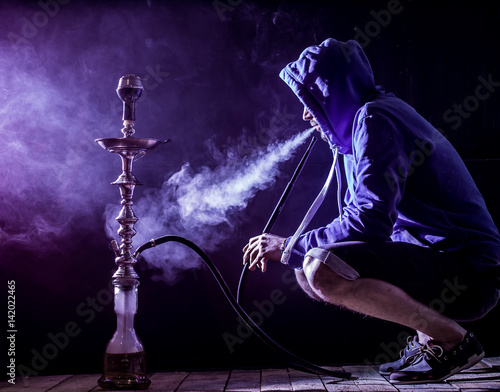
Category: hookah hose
[277,210]
[294,361]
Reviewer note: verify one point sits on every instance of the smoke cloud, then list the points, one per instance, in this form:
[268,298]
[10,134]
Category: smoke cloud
[205,84]
[203,205]
[46,150]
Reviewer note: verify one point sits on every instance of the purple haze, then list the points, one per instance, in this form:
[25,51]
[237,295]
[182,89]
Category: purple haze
[209,91]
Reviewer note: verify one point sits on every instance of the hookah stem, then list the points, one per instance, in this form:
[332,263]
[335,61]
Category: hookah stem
[277,210]
[295,361]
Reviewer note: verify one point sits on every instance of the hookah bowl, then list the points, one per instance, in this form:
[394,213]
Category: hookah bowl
[124,358]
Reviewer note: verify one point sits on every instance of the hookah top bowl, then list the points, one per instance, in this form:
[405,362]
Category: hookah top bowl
[129,90]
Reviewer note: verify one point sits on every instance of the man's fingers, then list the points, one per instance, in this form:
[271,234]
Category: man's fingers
[259,249]
[249,248]
[258,262]
[253,264]
[248,256]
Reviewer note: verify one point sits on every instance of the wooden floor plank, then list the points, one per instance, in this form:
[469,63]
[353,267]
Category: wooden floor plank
[375,386]
[275,380]
[334,384]
[478,367]
[77,383]
[484,376]
[205,381]
[305,382]
[492,362]
[166,381]
[37,384]
[484,385]
[244,381]
[341,386]
[368,379]
[361,372]
[440,386]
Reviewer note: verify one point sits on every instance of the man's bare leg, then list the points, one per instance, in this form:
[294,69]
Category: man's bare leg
[381,300]
[304,284]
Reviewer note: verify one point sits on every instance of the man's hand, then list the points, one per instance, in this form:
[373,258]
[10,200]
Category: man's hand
[262,248]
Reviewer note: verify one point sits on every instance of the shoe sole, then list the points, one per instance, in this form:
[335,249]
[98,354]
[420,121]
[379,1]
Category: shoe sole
[471,362]
[389,373]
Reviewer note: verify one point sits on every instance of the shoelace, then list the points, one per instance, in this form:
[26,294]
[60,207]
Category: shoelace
[409,344]
[426,351]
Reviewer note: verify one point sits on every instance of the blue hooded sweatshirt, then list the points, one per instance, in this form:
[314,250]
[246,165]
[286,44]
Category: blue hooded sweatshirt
[405,181]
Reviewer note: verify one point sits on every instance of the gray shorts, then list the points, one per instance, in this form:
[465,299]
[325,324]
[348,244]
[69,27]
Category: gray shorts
[443,280]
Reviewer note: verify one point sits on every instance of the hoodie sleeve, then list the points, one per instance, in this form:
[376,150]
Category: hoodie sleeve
[376,172]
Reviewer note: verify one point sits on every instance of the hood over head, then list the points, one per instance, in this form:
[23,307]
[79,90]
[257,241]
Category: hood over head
[333,80]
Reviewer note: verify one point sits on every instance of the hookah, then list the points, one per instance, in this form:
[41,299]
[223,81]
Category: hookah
[124,358]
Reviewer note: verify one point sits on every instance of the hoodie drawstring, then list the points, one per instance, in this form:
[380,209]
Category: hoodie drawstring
[314,207]
[339,186]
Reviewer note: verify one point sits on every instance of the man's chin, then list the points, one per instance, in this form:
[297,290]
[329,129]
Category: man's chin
[321,133]
[323,137]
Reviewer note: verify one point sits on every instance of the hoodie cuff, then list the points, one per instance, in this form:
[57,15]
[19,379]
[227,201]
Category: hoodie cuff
[296,258]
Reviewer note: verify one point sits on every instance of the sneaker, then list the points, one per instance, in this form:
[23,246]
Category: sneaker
[433,364]
[407,355]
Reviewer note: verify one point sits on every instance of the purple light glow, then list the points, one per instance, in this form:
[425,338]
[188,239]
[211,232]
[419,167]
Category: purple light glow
[58,71]
[212,86]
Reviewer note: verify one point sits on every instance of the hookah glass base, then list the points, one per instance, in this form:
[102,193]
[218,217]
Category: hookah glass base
[124,359]
[124,372]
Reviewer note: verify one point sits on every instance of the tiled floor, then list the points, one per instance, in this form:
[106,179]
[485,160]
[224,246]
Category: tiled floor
[485,376]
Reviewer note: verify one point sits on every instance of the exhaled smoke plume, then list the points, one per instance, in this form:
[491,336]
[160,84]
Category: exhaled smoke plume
[202,206]
[58,96]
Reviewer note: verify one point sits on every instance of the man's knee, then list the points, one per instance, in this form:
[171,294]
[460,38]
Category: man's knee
[304,285]
[324,282]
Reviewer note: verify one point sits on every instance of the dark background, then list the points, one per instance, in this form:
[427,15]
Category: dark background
[212,85]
